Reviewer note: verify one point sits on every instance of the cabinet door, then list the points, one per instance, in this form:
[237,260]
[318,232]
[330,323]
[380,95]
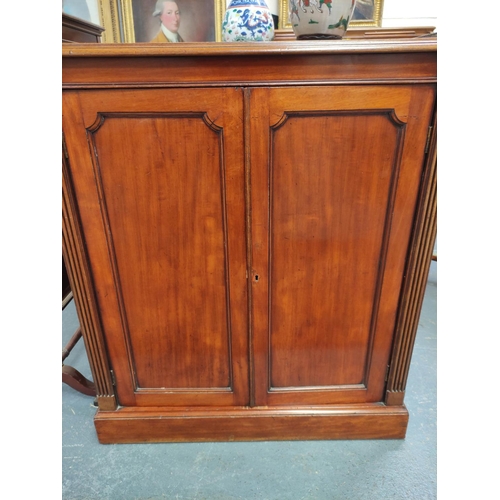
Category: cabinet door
[334,183]
[159,181]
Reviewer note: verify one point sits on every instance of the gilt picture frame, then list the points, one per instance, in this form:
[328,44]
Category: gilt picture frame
[200,20]
[110,20]
[366,13]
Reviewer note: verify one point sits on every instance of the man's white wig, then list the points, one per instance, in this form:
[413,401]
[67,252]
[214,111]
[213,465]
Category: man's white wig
[159,7]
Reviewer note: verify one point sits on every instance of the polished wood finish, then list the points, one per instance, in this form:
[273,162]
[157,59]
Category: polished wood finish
[328,227]
[246,222]
[231,49]
[147,65]
[372,33]
[135,425]
[83,292]
[72,377]
[183,294]
[421,253]
[75,30]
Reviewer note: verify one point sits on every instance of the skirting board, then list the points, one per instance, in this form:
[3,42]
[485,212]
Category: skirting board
[147,425]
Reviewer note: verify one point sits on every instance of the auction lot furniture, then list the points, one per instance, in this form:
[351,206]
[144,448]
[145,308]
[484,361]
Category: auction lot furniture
[248,229]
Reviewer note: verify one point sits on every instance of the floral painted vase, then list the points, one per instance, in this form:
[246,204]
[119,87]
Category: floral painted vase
[248,21]
[320,19]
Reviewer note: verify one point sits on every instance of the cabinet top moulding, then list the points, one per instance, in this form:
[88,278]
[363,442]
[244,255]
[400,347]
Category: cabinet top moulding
[91,66]
[250,49]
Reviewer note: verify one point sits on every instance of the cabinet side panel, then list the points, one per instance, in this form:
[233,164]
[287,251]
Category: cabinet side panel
[165,211]
[423,238]
[83,293]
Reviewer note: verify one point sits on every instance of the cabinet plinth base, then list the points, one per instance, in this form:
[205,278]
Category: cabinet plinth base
[143,425]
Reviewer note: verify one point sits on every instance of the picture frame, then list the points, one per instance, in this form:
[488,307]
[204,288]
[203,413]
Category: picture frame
[366,13]
[110,20]
[197,23]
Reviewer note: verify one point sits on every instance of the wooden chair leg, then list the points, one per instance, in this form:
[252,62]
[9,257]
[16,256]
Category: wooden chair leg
[72,342]
[70,375]
[77,381]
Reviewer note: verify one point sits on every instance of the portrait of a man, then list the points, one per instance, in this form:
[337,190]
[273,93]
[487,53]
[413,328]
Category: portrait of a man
[172,21]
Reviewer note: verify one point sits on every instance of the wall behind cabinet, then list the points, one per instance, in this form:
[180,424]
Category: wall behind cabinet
[84,9]
[409,13]
[395,12]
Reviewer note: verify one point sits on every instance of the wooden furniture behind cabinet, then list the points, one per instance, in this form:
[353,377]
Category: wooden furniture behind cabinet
[249,228]
[76,30]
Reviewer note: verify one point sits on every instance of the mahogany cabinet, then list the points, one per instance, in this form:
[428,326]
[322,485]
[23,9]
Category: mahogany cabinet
[248,230]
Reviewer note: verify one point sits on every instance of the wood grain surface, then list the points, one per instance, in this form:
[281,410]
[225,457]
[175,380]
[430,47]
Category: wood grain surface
[250,225]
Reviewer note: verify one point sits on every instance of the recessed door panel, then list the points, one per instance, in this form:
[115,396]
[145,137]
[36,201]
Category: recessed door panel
[167,228]
[329,208]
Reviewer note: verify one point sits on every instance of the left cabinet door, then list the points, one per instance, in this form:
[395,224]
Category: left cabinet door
[158,178]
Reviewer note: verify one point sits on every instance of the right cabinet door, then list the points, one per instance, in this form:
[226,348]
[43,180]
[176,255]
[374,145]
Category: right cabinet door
[335,177]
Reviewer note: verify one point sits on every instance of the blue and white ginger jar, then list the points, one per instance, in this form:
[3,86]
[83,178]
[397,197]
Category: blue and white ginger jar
[248,21]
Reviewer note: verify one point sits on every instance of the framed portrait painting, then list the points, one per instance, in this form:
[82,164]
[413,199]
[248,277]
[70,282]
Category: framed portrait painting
[172,21]
[366,13]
